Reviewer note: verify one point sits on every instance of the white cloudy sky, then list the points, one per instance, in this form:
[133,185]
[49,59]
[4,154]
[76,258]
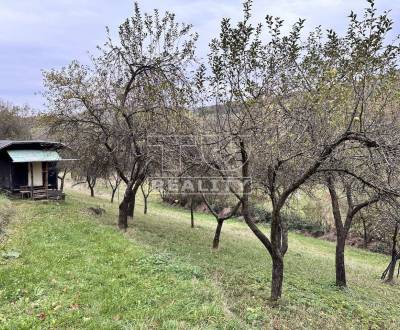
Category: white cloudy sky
[43,34]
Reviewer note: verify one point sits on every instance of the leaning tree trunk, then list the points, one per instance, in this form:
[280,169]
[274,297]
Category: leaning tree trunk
[339,261]
[395,256]
[217,234]
[113,191]
[392,268]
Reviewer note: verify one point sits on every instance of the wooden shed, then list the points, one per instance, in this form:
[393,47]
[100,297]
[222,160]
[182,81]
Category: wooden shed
[29,168]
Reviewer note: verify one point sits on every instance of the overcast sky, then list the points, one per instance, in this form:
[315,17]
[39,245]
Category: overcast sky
[44,34]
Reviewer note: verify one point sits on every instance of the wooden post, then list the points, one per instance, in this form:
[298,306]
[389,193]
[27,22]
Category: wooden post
[11,183]
[46,178]
[31,169]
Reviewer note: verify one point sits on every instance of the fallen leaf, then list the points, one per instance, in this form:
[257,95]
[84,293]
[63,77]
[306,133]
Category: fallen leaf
[74,306]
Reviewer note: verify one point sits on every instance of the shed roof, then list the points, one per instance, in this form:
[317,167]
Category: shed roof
[37,143]
[26,156]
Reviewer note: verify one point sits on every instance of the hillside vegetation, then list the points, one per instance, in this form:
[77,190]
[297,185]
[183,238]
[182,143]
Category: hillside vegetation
[74,270]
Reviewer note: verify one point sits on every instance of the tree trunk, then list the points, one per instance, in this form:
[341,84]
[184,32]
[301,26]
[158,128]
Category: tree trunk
[278,244]
[217,234]
[145,205]
[340,236]
[271,246]
[393,262]
[339,261]
[124,209]
[191,213]
[132,201]
[277,278]
[131,205]
[62,182]
[365,233]
[113,195]
[123,215]
[392,268]
[91,183]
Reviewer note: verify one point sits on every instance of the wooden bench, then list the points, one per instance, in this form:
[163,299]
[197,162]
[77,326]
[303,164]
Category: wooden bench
[25,193]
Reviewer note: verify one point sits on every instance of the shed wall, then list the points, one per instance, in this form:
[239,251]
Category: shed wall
[5,174]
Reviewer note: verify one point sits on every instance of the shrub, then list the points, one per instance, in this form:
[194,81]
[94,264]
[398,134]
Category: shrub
[260,213]
[296,222]
[293,220]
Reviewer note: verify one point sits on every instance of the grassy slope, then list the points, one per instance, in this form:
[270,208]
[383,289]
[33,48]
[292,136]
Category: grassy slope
[162,273]
[74,273]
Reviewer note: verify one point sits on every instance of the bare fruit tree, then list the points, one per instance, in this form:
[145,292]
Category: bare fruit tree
[343,225]
[132,89]
[283,108]
[146,187]
[220,219]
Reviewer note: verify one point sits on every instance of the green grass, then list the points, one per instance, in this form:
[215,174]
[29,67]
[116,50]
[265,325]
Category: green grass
[75,273]
[80,272]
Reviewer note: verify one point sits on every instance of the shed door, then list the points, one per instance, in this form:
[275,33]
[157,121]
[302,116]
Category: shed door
[20,175]
[37,174]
